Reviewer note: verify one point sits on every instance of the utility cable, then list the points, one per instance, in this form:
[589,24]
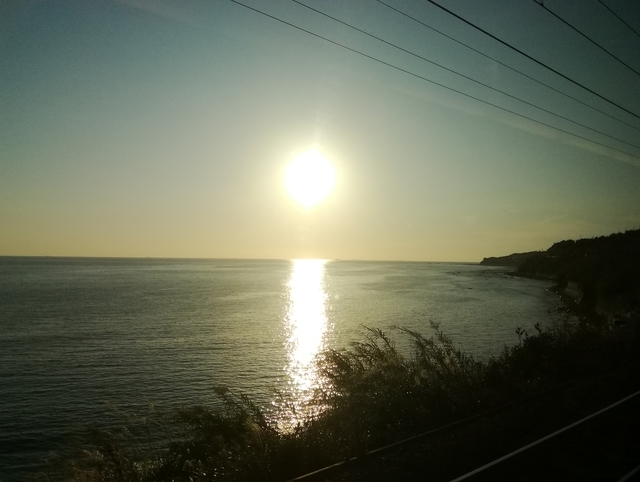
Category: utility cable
[541,3]
[429,80]
[508,66]
[534,59]
[463,75]
[619,18]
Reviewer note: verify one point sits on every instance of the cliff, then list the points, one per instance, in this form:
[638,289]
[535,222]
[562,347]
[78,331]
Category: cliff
[513,260]
[601,274]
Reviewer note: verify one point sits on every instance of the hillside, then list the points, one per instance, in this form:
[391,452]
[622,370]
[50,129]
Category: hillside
[601,274]
[513,260]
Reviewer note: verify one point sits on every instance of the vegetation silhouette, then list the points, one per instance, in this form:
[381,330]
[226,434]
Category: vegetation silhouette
[373,395]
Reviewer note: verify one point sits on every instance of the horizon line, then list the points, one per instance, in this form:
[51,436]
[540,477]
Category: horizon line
[227,259]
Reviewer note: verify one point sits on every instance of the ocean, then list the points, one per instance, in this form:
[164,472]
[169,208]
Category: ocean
[79,335]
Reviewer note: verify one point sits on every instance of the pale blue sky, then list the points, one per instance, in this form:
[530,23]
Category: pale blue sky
[143,128]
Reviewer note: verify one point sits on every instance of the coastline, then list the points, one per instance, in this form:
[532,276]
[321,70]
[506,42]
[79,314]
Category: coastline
[375,395]
[599,278]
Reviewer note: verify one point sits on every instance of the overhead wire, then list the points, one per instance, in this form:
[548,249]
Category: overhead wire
[575,82]
[508,66]
[463,75]
[547,9]
[618,17]
[400,69]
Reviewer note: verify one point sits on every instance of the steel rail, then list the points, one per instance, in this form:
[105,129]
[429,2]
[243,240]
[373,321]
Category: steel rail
[543,439]
[522,401]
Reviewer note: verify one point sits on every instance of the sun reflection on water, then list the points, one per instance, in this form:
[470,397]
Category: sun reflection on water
[306,325]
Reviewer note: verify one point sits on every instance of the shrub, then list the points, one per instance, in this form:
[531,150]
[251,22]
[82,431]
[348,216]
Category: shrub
[372,395]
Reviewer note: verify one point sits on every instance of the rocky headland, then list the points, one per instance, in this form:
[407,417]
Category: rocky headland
[513,260]
[600,276]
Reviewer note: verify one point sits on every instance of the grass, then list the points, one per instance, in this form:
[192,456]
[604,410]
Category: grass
[373,395]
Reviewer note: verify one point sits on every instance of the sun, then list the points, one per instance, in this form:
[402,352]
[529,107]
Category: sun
[310,178]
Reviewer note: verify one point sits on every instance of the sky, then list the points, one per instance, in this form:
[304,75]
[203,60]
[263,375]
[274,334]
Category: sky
[164,128]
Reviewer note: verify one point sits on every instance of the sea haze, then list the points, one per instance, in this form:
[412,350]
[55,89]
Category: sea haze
[79,333]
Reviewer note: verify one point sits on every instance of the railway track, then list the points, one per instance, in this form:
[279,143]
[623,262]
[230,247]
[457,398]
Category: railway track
[603,446]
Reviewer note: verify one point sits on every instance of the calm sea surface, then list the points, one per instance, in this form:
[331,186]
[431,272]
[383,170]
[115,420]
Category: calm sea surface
[76,334]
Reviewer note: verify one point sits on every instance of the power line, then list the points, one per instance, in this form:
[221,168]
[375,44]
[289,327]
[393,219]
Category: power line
[541,3]
[428,80]
[619,18]
[508,66]
[533,59]
[462,75]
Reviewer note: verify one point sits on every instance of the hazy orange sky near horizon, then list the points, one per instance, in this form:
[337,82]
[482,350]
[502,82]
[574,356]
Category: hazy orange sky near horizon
[164,129]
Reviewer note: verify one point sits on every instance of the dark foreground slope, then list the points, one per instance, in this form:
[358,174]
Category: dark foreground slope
[603,448]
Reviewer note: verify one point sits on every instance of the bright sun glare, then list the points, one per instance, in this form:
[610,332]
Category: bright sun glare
[310,178]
